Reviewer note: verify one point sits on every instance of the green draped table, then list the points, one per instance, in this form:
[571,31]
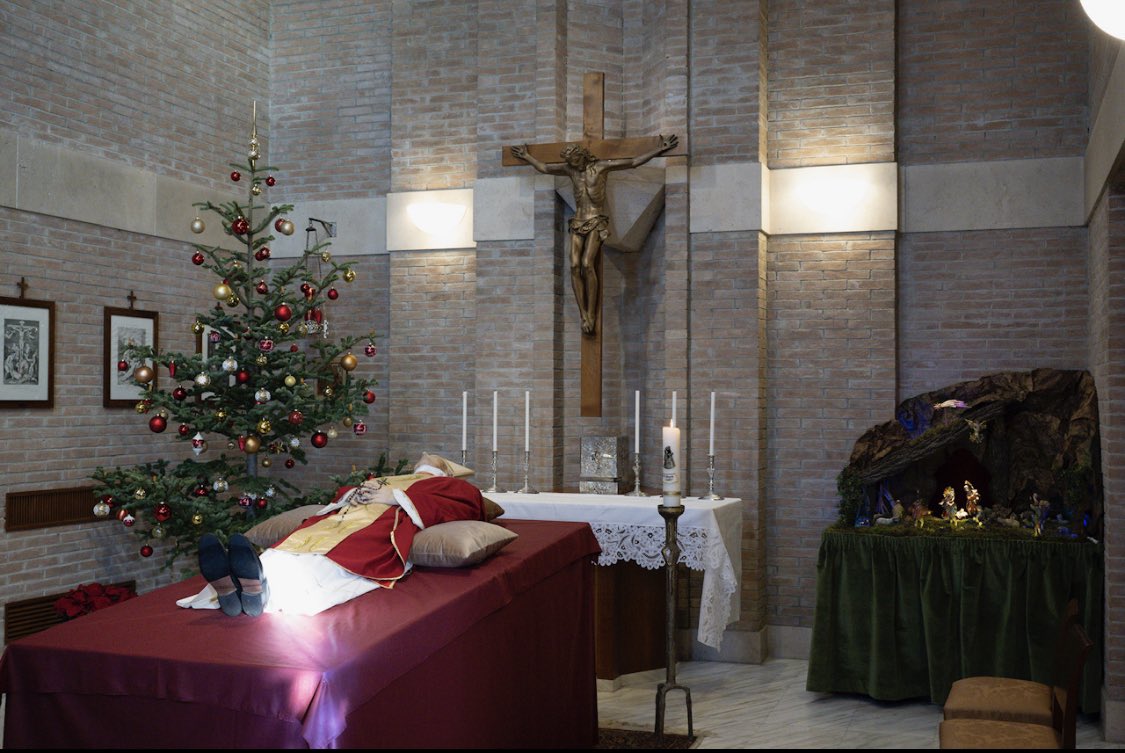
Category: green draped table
[904,616]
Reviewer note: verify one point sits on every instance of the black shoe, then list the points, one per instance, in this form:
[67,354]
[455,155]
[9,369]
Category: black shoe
[215,567]
[246,568]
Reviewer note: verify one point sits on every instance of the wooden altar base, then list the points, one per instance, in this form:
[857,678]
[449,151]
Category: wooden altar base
[629,618]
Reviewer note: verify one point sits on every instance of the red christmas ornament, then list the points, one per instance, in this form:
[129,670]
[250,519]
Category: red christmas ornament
[122,514]
[122,365]
[179,393]
[245,500]
[369,397]
[262,288]
[261,503]
[310,292]
[240,226]
[262,253]
[289,462]
[278,223]
[359,428]
[235,176]
[242,376]
[198,258]
[158,424]
[293,348]
[370,350]
[319,439]
[296,417]
[265,344]
[162,512]
[333,294]
[146,551]
[283,312]
[270,180]
[201,491]
[184,430]
[172,369]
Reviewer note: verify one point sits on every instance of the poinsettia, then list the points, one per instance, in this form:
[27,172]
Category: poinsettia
[91,597]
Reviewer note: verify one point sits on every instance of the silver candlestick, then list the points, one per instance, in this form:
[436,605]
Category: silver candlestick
[526,468]
[710,479]
[636,477]
[493,488]
[464,457]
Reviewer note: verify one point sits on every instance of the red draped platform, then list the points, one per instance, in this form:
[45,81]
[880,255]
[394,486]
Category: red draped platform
[500,655]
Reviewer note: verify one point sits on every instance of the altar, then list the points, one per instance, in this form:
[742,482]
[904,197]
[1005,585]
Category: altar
[630,529]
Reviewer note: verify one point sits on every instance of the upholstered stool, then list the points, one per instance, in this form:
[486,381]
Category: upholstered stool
[986,733]
[1000,699]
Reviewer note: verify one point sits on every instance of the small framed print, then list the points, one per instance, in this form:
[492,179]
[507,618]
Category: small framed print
[124,329]
[27,353]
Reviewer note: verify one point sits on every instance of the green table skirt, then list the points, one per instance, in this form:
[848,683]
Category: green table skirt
[901,617]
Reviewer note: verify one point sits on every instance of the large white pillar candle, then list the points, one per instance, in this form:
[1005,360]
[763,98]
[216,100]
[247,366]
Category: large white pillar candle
[711,445]
[637,422]
[464,421]
[670,464]
[494,420]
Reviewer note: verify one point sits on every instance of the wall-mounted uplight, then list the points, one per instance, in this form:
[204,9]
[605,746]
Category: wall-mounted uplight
[436,217]
[425,220]
[1109,15]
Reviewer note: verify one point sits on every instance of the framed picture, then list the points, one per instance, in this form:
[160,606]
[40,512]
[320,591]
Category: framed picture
[27,353]
[125,328]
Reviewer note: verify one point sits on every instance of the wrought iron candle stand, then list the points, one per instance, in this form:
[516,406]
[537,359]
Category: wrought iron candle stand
[636,477]
[671,552]
[527,489]
[710,479]
[493,487]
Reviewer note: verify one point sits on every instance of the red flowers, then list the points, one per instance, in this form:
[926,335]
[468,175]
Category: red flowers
[90,597]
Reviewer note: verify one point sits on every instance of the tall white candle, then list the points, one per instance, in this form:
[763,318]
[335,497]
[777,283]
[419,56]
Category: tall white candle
[494,420]
[673,408]
[527,421]
[637,422]
[711,446]
[670,463]
[464,421]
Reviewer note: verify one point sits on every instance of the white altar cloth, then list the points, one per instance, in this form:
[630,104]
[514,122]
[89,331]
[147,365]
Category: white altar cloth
[630,529]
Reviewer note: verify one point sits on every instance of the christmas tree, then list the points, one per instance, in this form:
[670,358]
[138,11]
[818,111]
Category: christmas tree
[267,382]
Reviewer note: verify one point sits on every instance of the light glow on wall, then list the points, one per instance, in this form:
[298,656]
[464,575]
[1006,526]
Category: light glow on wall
[430,220]
[436,217]
[1109,15]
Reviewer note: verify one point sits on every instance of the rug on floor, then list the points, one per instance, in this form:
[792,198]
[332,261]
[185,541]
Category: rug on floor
[635,739]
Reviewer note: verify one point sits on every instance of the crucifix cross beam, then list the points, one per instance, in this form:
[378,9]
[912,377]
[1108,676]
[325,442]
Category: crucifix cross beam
[587,164]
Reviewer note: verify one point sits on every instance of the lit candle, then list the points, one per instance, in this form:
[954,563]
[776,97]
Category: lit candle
[494,420]
[670,462]
[637,422]
[527,421]
[711,446]
[464,421]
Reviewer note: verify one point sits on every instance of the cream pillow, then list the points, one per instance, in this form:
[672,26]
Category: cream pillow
[458,543]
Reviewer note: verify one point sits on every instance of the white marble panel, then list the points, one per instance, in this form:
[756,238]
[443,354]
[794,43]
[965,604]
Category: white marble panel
[361,227]
[728,198]
[504,208]
[834,199]
[993,195]
[175,212]
[403,232]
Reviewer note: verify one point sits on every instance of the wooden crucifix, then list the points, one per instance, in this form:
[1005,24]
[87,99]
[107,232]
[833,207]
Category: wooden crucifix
[588,163]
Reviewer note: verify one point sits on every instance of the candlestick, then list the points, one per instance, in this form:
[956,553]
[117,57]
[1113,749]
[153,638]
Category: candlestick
[494,447]
[527,488]
[636,421]
[711,479]
[636,477]
[464,421]
[527,421]
[671,553]
[671,465]
[711,446]
[493,487]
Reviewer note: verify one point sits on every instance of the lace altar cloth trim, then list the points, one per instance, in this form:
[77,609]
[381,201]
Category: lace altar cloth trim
[644,545]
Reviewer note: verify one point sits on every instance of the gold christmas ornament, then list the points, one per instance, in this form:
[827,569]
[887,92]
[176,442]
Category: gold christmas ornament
[197,327]
[232,301]
[302,329]
[283,327]
[348,362]
[197,519]
[328,391]
[143,374]
[290,380]
[141,407]
[266,462]
[332,433]
[198,226]
[222,292]
[140,493]
[346,421]
[261,359]
[252,445]
[221,413]
[286,227]
[325,256]
[256,189]
[349,275]
[264,426]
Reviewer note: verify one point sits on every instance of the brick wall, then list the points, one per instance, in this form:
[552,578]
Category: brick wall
[126,81]
[1015,89]
[831,82]
[830,376]
[330,104]
[976,303]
